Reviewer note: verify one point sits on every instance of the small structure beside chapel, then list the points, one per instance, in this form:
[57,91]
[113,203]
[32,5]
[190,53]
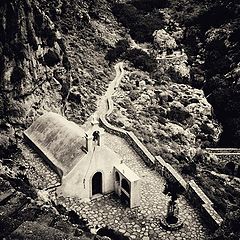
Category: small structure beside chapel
[86,167]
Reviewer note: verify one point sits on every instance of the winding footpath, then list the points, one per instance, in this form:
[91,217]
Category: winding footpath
[143,222]
[102,104]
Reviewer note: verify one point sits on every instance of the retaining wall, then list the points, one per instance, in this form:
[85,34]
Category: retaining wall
[166,170]
[211,216]
[197,196]
[199,199]
[194,193]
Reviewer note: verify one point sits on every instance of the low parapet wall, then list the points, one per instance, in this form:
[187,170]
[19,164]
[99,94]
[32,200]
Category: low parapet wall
[211,216]
[197,196]
[223,150]
[112,129]
[199,199]
[131,138]
[166,170]
[194,193]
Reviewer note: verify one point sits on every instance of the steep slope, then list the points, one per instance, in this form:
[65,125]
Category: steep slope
[212,35]
[51,59]
[156,105]
[31,52]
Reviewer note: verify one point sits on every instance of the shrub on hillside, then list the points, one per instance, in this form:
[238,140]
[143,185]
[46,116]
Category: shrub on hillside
[51,58]
[178,114]
[141,24]
[134,95]
[120,48]
[149,5]
[141,60]
[17,76]
[189,168]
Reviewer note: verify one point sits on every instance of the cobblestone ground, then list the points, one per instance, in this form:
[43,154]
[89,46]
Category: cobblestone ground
[141,223]
[38,172]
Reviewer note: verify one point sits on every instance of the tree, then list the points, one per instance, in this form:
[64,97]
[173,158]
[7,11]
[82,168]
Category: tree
[163,40]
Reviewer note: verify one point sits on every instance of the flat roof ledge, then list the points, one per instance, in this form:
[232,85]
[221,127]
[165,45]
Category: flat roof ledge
[127,172]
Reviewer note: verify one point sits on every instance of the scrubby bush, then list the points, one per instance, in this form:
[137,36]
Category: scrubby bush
[149,5]
[120,48]
[17,76]
[178,114]
[66,62]
[51,58]
[134,95]
[141,24]
[141,60]
[189,168]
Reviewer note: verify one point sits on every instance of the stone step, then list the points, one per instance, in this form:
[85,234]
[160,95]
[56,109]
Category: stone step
[16,202]
[6,195]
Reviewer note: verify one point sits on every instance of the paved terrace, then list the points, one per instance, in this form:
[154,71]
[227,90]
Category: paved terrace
[141,223]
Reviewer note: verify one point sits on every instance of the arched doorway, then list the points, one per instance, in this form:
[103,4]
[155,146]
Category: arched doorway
[97,183]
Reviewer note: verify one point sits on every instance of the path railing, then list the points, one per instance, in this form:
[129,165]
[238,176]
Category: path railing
[194,193]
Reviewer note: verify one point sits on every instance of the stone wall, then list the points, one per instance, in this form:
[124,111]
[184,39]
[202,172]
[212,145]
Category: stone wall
[226,156]
[110,128]
[167,171]
[211,216]
[171,60]
[197,196]
[199,199]
[194,193]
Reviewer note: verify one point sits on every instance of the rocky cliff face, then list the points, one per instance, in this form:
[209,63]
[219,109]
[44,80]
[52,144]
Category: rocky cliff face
[212,39]
[32,54]
[52,59]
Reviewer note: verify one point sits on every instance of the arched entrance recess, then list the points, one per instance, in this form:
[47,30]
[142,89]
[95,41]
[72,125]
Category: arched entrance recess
[97,183]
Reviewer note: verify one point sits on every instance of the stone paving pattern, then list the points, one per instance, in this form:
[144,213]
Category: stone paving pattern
[140,223]
[143,222]
[38,172]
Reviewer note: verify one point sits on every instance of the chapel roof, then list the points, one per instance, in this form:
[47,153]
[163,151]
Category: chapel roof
[60,140]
